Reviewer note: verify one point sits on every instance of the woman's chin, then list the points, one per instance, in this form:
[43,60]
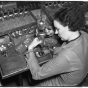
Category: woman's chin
[63,39]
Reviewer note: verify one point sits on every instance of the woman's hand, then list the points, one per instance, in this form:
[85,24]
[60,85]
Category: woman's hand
[34,43]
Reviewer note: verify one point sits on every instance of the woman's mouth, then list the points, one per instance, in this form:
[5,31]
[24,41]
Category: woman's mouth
[59,35]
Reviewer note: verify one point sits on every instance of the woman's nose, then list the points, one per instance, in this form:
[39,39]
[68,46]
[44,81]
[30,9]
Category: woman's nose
[56,32]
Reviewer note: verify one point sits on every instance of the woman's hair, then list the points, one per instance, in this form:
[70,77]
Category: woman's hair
[72,17]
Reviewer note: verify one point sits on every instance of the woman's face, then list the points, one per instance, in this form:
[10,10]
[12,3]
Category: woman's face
[61,30]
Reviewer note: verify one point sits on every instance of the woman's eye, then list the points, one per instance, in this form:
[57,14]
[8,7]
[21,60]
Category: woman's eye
[57,29]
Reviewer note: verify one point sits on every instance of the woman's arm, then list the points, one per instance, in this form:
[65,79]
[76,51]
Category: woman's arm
[57,65]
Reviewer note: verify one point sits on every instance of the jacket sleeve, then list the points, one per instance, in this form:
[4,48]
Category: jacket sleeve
[57,65]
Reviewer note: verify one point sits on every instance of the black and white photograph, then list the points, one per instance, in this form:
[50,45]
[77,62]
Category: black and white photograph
[43,43]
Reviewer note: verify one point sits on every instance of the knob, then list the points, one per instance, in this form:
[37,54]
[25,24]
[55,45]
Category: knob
[50,3]
[1,16]
[2,48]
[21,10]
[5,15]
[46,4]
[13,35]
[10,13]
[16,12]
[55,3]
[26,10]
[20,32]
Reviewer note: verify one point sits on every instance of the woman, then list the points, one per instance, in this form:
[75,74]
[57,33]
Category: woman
[69,64]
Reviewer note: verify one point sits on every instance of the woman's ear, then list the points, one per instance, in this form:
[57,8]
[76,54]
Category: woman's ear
[68,29]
